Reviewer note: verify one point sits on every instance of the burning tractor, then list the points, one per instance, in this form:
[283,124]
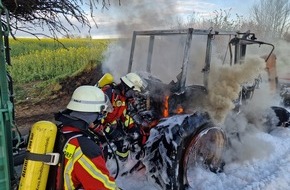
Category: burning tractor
[185,134]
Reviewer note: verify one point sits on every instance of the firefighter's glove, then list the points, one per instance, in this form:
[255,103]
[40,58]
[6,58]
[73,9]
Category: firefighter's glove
[97,129]
[109,128]
[114,132]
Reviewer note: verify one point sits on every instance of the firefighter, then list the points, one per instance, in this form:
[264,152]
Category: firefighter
[83,164]
[122,120]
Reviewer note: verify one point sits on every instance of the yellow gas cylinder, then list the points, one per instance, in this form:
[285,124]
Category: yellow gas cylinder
[39,156]
[106,79]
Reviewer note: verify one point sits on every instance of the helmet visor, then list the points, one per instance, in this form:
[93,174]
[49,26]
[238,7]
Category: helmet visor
[108,107]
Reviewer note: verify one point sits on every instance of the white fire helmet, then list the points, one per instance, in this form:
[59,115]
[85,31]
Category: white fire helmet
[89,99]
[132,80]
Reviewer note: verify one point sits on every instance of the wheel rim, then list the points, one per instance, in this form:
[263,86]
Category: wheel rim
[206,149]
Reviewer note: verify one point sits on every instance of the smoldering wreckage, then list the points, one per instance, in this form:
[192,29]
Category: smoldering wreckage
[187,122]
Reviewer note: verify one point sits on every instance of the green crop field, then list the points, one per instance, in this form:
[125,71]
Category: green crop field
[42,62]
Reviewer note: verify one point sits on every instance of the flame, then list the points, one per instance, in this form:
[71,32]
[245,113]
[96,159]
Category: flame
[179,109]
[165,110]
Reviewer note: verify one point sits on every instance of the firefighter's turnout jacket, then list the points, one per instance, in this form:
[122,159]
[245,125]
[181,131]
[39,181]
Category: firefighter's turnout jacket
[120,107]
[117,123]
[84,166]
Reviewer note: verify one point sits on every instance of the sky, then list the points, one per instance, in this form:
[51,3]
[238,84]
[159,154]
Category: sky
[150,14]
[162,13]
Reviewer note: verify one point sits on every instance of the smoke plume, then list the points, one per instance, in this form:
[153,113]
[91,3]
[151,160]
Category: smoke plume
[225,84]
[135,16]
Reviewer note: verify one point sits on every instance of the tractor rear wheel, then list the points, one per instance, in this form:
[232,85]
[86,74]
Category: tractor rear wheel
[179,143]
[204,148]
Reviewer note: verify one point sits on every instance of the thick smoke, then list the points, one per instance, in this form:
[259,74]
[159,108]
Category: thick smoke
[243,129]
[133,16]
[256,116]
[225,84]
[144,15]
[243,132]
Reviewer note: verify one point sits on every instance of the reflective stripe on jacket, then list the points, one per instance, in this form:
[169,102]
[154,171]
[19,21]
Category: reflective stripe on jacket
[85,167]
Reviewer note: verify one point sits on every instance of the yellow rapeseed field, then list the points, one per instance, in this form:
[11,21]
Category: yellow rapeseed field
[43,62]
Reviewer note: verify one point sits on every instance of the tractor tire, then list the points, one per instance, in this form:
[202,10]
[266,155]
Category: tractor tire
[205,148]
[170,147]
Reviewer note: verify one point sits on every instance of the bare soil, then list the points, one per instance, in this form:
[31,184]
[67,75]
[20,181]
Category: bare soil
[27,113]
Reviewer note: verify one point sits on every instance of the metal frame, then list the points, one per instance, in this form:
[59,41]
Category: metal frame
[239,41]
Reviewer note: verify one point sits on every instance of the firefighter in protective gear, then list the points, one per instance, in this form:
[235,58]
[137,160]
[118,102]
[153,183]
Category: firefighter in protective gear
[121,96]
[134,81]
[84,166]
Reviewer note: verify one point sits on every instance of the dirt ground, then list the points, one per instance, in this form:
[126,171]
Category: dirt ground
[27,113]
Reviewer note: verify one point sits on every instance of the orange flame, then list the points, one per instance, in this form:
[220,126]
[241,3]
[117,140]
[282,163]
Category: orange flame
[179,109]
[165,110]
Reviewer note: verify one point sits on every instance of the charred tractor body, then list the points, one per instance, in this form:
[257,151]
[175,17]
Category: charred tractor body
[185,134]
